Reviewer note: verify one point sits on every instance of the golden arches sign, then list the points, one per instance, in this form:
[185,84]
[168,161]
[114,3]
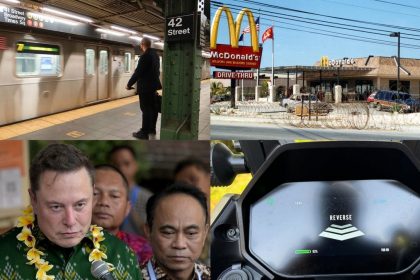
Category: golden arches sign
[234,28]
[324,61]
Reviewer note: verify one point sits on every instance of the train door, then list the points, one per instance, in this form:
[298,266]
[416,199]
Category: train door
[96,74]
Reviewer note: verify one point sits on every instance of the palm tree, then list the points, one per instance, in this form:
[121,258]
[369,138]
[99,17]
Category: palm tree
[264,89]
[217,88]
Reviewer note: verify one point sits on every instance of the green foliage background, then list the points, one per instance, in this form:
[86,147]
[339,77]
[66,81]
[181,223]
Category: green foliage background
[97,151]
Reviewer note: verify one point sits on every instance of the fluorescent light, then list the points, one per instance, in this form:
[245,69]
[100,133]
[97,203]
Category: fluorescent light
[51,19]
[65,14]
[159,45]
[13,1]
[151,37]
[123,29]
[137,38]
[111,32]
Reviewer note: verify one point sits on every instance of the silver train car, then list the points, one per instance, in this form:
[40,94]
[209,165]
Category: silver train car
[42,73]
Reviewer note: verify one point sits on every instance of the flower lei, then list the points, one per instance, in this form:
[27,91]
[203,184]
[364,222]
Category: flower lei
[26,222]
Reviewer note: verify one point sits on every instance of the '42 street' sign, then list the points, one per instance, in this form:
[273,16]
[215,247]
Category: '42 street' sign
[180,28]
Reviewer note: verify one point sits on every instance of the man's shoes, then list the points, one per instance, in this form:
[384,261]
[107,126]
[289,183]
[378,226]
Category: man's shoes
[141,135]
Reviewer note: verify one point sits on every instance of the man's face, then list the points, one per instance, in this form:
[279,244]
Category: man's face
[178,232]
[111,205]
[143,47]
[195,177]
[125,162]
[63,206]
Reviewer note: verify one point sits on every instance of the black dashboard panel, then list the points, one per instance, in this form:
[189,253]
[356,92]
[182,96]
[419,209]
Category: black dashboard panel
[332,227]
[335,210]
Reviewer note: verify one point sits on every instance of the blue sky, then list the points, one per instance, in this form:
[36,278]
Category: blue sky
[302,48]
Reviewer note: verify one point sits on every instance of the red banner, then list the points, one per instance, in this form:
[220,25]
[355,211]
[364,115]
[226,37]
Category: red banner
[224,56]
[233,75]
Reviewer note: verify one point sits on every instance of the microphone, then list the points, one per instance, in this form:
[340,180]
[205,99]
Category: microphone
[99,270]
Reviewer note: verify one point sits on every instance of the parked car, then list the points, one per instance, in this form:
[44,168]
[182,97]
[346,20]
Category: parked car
[219,98]
[316,105]
[393,100]
[292,101]
[371,97]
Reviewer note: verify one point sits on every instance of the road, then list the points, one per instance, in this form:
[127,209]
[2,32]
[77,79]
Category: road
[246,130]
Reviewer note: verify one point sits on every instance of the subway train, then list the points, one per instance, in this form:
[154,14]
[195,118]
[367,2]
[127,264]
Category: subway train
[43,73]
[50,64]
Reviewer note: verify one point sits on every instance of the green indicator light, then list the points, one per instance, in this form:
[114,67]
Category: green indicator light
[301,252]
[33,48]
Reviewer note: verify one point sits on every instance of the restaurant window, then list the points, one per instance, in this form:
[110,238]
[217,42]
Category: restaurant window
[404,85]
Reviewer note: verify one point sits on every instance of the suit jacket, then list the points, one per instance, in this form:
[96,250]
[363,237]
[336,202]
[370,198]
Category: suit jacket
[147,73]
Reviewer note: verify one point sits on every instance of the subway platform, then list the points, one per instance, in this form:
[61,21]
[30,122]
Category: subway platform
[112,120]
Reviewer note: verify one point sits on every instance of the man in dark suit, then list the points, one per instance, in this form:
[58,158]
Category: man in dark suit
[147,78]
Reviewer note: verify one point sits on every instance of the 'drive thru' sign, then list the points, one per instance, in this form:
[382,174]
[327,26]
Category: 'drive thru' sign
[233,75]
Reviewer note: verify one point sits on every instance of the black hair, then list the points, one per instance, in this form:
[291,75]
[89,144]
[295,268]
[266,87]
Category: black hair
[191,161]
[176,188]
[60,158]
[120,148]
[113,168]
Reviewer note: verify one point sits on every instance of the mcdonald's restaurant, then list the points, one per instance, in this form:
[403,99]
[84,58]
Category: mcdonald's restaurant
[358,77]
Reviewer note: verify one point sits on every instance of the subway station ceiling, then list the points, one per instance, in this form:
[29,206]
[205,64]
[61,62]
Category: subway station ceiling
[144,16]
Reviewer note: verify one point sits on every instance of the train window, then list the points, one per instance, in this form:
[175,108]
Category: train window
[103,62]
[35,59]
[127,62]
[90,62]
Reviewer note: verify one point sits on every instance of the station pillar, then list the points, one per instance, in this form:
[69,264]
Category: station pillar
[182,66]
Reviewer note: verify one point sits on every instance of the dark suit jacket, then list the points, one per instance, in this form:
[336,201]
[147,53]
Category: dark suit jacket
[147,73]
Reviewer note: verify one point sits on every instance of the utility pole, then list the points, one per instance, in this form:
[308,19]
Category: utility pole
[398,35]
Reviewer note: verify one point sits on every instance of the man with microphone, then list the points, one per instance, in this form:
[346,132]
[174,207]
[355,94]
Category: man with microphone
[54,238]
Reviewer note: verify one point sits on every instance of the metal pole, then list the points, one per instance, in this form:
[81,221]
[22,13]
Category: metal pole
[182,67]
[258,76]
[397,34]
[338,76]
[320,84]
[272,71]
[272,63]
[398,62]
[242,82]
[232,91]
[242,89]
[303,79]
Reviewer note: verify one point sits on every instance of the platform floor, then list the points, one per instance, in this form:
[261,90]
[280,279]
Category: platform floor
[113,120]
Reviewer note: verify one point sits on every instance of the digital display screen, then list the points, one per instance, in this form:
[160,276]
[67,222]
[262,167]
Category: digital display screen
[26,47]
[337,227]
[46,63]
